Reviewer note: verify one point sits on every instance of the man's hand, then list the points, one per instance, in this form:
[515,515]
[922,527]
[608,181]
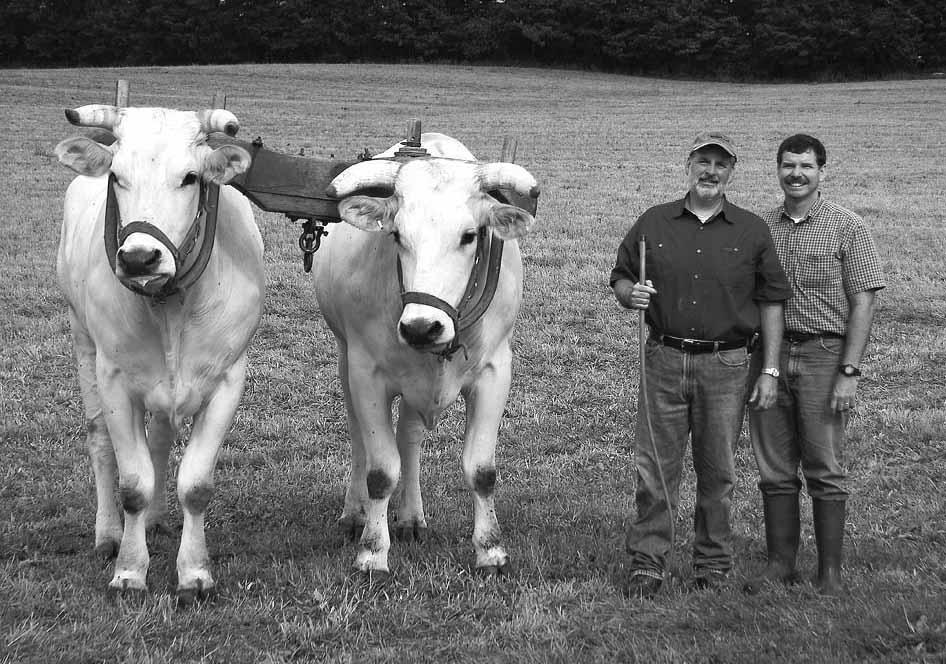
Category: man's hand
[764,393]
[634,296]
[842,397]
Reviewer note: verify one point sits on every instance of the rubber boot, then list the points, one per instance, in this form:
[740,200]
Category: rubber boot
[782,534]
[829,535]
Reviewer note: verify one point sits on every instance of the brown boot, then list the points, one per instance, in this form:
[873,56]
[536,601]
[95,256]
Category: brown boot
[782,534]
[829,535]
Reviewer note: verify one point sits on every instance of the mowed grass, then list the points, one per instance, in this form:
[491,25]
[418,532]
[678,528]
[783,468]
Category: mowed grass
[604,148]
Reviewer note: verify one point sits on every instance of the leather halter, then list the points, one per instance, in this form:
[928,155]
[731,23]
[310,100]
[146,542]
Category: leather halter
[115,235]
[480,289]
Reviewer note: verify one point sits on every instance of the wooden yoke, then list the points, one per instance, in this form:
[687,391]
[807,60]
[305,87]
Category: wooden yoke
[291,185]
[295,186]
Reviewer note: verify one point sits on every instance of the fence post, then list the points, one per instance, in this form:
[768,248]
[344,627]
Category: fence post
[121,93]
[510,146]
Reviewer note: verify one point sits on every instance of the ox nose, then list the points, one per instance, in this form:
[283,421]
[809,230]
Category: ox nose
[420,333]
[136,262]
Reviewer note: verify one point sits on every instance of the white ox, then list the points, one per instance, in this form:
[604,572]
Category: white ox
[389,347]
[174,348]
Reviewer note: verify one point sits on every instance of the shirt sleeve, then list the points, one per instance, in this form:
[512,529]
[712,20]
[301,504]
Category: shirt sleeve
[862,271]
[771,283]
[626,266]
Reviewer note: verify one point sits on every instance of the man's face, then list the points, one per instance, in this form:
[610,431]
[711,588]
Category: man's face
[799,174]
[709,170]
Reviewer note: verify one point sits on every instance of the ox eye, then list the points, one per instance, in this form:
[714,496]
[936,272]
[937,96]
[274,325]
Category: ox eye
[189,179]
[468,238]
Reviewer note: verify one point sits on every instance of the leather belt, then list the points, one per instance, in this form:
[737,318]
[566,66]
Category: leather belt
[801,337]
[698,345]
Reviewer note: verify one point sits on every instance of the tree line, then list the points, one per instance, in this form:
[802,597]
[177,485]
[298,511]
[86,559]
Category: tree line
[725,39]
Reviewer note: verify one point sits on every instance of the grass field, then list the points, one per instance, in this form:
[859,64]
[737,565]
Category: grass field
[603,148]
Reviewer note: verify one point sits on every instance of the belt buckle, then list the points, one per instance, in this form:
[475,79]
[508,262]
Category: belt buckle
[684,343]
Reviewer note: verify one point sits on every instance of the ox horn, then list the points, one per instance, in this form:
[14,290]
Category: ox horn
[218,119]
[364,175]
[503,175]
[94,115]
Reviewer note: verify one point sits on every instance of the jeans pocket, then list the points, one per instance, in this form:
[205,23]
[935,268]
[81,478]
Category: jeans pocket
[832,345]
[737,357]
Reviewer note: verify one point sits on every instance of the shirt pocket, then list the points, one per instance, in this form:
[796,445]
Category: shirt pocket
[735,269]
[822,271]
[659,261]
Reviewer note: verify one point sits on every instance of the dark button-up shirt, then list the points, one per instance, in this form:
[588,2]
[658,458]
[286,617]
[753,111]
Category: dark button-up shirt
[709,276]
[829,256]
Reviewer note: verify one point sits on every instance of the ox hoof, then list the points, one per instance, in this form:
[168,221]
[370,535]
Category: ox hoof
[106,550]
[491,571]
[410,531]
[126,589]
[351,527]
[196,594]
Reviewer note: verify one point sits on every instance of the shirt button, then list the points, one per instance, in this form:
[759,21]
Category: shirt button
[699,251]
[694,302]
[696,276]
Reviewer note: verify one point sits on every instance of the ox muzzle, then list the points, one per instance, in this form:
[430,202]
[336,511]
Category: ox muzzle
[423,333]
[138,267]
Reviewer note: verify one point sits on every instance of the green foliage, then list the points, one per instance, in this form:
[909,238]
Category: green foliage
[717,39]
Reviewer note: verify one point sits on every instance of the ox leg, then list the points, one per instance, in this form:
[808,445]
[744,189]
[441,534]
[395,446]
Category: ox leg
[195,483]
[135,481]
[108,524]
[411,523]
[485,401]
[352,520]
[160,437]
[372,407]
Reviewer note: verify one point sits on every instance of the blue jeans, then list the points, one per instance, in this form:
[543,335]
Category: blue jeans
[801,429]
[703,397]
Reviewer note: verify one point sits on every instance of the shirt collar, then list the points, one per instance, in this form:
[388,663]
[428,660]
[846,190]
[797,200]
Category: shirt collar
[812,211]
[725,212]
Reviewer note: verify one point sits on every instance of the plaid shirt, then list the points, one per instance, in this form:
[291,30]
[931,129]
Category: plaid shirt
[828,257]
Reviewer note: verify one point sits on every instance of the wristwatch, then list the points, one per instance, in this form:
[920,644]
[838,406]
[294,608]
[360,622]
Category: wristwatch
[772,371]
[849,370]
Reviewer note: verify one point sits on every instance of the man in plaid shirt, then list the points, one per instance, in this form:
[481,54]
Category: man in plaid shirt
[832,265]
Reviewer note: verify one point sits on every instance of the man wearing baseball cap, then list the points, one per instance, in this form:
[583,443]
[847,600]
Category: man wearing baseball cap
[714,282]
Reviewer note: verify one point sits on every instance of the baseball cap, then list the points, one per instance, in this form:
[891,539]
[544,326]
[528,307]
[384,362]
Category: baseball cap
[713,138]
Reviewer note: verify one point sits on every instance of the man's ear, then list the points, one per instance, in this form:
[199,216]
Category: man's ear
[84,156]
[369,213]
[510,222]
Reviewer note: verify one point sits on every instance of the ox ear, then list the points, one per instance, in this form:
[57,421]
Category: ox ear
[227,162]
[84,156]
[369,213]
[510,222]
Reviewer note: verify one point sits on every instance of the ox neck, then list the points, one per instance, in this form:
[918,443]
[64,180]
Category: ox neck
[187,272]
[480,289]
